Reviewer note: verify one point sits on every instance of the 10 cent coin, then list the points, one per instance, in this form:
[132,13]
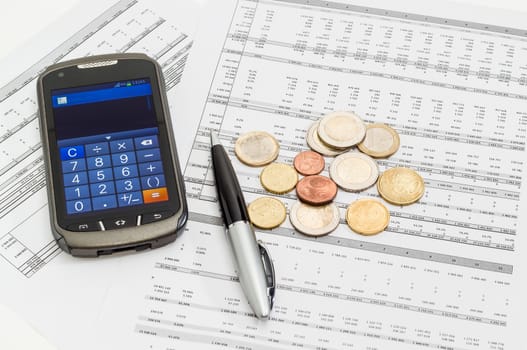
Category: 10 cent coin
[267,212]
[279,178]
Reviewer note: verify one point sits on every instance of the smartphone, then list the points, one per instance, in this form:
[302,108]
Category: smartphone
[113,176]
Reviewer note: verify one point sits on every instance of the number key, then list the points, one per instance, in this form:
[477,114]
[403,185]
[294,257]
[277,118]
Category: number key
[78,206]
[77,192]
[102,189]
[123,172]
[123,158]
[69,166]
[75,179]
[127,185]
[99,162]
[100,175]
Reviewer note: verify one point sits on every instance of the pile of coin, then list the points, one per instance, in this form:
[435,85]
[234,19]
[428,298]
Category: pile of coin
[355,146]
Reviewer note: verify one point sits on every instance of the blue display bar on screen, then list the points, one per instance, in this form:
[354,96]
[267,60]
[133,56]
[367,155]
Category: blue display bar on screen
[100,95]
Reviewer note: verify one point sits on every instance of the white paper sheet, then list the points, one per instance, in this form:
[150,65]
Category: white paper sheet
[16,334]
[60,295]
[446,274]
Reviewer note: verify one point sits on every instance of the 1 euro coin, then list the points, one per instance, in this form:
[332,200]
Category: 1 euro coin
[354,171]
[314,220]
[341,129]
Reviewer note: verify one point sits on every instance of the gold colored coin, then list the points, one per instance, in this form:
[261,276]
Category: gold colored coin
[279,178]
[380,141]
[314,220]
[401,186]
[367,216]
[267,212]
[341,129]
[256,148]
[317,145]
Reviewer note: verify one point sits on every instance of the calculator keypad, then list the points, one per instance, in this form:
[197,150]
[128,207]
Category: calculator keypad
[114,174]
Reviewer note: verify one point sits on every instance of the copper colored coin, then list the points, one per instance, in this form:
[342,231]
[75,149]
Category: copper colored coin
[316,190]
[309,163]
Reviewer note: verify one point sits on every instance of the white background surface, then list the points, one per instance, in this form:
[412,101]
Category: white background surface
[22,20]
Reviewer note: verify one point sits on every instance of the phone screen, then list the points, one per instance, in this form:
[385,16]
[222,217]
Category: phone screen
[108,139]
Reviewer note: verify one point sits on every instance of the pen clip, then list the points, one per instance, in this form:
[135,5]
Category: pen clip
[269,272]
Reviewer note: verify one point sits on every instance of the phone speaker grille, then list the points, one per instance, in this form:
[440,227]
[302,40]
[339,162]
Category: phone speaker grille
[96,64]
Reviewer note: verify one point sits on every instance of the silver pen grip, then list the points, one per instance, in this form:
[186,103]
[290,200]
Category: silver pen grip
[250,267]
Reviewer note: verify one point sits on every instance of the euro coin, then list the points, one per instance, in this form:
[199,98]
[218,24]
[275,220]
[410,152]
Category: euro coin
[314,220]
[380,141]
[316,189]
[279,178]
[314,142]
[267,212]
[256,148]
[341,129]
[401,186]
[367,216]
[309,163]
[354,171]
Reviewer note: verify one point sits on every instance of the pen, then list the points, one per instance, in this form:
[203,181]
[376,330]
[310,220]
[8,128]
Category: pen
[255,268]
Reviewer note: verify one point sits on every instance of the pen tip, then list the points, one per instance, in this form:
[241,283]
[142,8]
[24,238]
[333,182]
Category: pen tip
[214,139]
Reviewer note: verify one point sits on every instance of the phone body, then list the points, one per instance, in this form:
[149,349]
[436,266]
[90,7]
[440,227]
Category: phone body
[112,171]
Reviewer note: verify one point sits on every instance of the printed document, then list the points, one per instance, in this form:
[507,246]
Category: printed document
[57,294]
[448,271]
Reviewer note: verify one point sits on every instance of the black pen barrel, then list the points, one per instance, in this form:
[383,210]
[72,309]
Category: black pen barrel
[230,194]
